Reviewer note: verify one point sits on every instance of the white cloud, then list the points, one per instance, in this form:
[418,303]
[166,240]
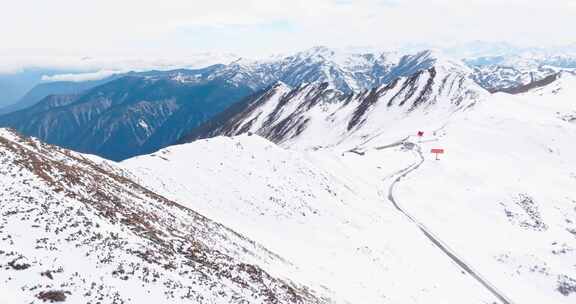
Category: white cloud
[86,68]
[176,28]
[79,77]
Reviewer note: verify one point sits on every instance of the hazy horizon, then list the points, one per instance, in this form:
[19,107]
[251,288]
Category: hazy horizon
[178,28]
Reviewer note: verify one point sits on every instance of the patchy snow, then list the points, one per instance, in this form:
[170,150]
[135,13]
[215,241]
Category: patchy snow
[76,229]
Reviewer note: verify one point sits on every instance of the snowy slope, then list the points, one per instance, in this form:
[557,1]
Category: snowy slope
[335,226]
[356,210]
[75,229]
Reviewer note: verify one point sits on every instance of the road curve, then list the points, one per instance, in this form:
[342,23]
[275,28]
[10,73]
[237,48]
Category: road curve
[434,239]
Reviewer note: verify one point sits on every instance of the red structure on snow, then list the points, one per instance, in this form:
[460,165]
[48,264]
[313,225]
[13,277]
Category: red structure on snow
[437,151]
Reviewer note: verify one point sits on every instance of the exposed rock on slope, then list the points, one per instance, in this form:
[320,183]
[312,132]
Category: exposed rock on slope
[74,228]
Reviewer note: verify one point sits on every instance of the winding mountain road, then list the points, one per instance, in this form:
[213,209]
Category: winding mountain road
[433,238]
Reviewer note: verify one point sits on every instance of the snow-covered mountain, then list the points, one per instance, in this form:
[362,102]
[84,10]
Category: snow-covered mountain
[75,229]
[499,207]
[316,115]
[351,207]
[344,71]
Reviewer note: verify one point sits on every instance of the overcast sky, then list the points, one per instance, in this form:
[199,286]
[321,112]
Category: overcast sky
[167,28]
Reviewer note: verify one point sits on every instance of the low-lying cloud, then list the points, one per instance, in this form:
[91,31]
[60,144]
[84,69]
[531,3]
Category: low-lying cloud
[79,77]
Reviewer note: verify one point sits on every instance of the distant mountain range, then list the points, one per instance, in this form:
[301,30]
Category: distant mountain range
[499,73]
[137,113]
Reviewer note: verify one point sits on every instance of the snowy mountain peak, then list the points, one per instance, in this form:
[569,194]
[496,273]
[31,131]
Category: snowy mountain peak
[439,59]
[317,51]
[344,71]
[174,102]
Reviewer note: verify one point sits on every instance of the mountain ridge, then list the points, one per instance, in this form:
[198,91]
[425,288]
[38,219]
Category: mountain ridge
[282,113]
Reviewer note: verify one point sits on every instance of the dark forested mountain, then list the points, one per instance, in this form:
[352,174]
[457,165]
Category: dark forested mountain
[128,115]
